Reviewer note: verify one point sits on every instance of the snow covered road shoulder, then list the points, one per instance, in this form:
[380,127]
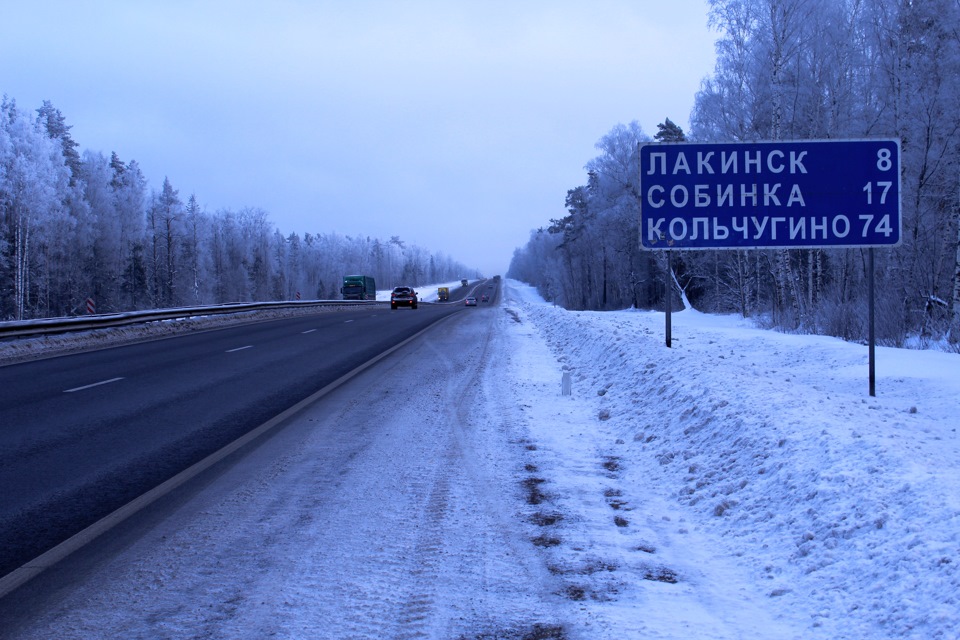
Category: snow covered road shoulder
[767,493]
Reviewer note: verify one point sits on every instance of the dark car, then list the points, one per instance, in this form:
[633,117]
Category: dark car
[484,298]
[403,297]
[470,301]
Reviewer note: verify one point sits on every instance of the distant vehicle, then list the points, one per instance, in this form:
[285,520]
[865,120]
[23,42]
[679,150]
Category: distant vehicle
[359,288]
[484,298]
[403,297]
[470,301]
[443,294]
[496,278]
[463,282]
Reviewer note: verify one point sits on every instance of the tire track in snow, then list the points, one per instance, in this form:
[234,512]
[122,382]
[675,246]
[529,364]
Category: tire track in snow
[417,610]
[490,430]
[389,510]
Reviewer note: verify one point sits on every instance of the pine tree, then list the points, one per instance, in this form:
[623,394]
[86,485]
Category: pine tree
[668,131]
[57,128]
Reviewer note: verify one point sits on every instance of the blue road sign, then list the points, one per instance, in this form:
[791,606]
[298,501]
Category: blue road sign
[811,193]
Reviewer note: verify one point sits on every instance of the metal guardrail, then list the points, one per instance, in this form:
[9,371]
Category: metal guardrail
[79,323]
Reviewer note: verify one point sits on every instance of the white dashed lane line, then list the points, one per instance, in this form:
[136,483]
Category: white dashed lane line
[308,331]
[90,386]
[249,346]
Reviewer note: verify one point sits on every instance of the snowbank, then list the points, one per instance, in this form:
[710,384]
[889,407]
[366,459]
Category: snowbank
[774,494]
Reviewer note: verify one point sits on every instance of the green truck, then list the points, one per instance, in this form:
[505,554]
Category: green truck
[359,288]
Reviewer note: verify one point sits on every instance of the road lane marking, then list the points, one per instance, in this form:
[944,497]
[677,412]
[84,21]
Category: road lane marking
[90,386]
[346,321]
[41,563]
[308,331]
[249,346]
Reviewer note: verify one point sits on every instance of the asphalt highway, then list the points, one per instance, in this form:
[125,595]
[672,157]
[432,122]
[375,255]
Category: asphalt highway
[83,434]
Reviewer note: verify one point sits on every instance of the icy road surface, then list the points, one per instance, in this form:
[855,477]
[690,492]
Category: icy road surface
[392,509]
[740,485]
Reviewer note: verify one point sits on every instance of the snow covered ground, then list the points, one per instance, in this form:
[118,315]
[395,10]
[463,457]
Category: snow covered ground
[755,468]
[742,484]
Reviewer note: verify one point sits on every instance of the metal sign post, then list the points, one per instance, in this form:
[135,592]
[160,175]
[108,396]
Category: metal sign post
[669,312]
[871,331]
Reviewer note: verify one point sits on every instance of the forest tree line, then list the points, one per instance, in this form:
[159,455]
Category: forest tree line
[76,226]
[789,70]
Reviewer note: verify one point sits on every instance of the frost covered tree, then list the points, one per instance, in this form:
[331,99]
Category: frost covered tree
[919,58]
[194,273]
[77,225]
[166,231]
[795,69]
[105,241]
[129,206]
[57,128]
[596,261]
[34,219]
[802,69]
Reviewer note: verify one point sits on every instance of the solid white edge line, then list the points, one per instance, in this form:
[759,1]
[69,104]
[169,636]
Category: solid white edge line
[90,386]
[38,565]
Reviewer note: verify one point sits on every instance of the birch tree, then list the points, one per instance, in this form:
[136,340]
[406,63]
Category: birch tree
[165,226]
[33,176]
[75,225]
[918,56]
[194,259]
[103,268]
[129,204]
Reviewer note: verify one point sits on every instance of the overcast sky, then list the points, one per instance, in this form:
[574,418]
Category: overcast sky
[458,126]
